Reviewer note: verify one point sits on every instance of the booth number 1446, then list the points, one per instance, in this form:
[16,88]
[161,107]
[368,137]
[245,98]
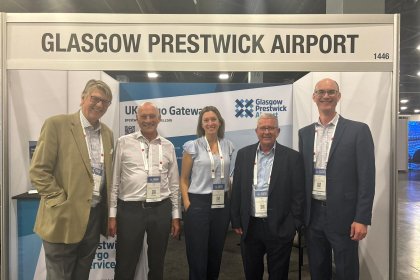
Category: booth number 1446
[381,55]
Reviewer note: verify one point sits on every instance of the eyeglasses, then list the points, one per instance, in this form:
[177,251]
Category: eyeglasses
[329,92]
[96,99]
[267,128]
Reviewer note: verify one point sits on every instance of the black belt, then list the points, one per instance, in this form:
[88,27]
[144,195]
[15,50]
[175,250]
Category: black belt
[257,219]
[320,202]
[143,204]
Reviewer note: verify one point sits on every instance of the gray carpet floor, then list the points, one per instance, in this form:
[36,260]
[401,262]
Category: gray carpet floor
[176,266]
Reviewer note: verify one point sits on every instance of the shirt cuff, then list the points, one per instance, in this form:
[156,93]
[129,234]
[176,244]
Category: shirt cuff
[112,212]
[176,214]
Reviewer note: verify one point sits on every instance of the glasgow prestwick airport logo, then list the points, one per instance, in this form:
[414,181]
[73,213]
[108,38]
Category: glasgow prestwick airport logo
[244,108]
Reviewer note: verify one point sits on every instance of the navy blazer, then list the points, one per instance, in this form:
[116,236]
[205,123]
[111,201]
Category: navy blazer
[285,192]
[350,174]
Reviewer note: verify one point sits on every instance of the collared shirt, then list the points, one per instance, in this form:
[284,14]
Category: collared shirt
[265,165]
[130,176]
[324,140]
[93,137]
[201,181]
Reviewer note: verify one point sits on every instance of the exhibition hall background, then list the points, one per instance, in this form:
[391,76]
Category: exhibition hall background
[31,93]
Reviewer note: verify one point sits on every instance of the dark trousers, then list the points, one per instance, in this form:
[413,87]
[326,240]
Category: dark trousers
[321,243]
[260,241]
[134,218]
[205,234]
[73,261]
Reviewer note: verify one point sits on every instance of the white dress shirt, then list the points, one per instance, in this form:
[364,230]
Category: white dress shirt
[325,134]
[94,146]
[130,177]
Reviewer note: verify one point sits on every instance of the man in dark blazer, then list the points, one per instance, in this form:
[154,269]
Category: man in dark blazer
[267,201]
[339,161]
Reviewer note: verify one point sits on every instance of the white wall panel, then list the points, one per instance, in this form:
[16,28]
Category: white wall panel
[33,97]
[402,145]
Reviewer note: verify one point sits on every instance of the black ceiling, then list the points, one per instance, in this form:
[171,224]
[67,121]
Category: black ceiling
[165,6]
[410,31]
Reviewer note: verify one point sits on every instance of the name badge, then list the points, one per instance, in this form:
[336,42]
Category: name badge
[218,196]
[261,201]
[320,182]
[97,173]
[153,189]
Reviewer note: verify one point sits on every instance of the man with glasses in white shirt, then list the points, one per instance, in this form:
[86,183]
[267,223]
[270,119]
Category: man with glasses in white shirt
[71,169]
[145,196]
[339,164]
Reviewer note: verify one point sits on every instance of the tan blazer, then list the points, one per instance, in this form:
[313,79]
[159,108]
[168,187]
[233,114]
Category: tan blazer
[61,172]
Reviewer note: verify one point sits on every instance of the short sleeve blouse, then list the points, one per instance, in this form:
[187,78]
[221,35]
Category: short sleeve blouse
[201,181]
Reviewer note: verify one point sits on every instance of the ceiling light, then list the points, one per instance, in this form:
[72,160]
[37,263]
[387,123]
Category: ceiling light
[418,47]
[418,73]
[223,76]
[404,101]
[403,108]
[416,110]
[152,75]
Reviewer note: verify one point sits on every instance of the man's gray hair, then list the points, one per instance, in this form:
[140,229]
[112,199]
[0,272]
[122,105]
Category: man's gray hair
[93,84]
[268,116]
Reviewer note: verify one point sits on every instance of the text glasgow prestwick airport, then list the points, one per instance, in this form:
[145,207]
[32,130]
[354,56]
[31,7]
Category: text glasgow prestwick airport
[199,43]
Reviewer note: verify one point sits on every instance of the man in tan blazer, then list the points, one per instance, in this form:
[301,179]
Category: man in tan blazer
[71,169]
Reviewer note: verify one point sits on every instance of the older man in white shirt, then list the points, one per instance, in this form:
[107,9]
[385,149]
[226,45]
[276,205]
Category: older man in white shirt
[145,196]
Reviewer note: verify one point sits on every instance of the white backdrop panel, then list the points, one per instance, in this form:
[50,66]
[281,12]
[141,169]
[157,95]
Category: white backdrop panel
[33,96]
[402,145]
